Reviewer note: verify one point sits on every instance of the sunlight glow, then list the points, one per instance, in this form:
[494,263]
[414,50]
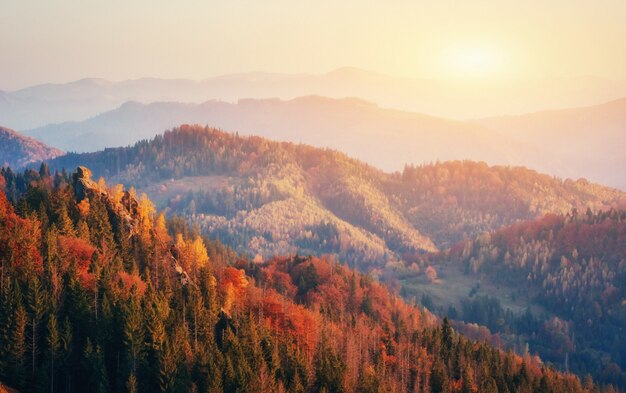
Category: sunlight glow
[472,61]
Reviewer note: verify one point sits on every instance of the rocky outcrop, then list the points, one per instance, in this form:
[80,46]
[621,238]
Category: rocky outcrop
[125,212]
[83,185]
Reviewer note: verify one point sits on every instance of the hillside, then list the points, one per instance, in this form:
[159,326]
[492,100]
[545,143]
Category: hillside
[234,187]
[18,150]
[455,200]
[114,298]
[556,284]
[585,141]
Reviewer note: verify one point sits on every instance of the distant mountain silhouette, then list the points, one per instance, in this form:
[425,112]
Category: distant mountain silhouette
[383,137]
[54,103]
[583,142]
[386,138]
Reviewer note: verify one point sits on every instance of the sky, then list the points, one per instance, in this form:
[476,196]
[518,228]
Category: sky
[452,40]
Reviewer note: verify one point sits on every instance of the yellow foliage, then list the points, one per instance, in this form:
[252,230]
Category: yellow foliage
[160,229]
[198,251]
[192,253]
[117,192]
[102,184]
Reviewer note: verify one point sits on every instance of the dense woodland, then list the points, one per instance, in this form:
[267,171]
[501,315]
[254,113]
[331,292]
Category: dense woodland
[451,201]
[572,265]
[264,197]
[99,293]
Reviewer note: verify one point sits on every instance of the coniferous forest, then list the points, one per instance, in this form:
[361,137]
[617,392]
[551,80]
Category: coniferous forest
[100,293]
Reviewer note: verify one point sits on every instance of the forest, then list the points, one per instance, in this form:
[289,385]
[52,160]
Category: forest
[101,293]
[265,197]
[573,265]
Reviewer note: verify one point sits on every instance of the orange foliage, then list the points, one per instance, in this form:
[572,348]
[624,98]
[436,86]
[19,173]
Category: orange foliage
[291,319]
[281,281]
[21,237]
[233,283]
[191,254]
[83,208]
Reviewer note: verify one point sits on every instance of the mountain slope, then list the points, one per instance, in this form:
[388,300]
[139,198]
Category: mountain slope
[573,267]
[130,302]
[235,187]
[382,137]
[585,142]
[17,150]
[453,200]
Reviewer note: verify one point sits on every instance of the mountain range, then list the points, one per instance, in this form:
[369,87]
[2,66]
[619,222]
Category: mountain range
[574,143]
[39,105]
[583,142]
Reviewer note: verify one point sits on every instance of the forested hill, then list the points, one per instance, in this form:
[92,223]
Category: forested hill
[265,197]
[17,150]
[100,294]
[572,266]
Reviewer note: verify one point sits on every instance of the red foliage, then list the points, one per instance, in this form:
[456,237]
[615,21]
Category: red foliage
[291,319]
[129,281]
[77,250]
[235,277]
[279,280]
[232,285]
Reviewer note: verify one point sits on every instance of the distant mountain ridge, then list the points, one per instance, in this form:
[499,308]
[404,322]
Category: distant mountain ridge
[385,138]
[585,141]
[39,105]
[18,150]
[351,125]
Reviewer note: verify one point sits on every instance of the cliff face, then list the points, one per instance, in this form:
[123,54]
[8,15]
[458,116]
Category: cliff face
[125,210]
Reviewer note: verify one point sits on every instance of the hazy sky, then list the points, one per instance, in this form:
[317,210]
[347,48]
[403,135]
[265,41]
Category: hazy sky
[63,40]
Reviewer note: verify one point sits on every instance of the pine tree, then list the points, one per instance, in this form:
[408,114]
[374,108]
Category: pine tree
[439,378]
[329,368]
[17,348]
[64,223]
[133,332]
[468,379]
[96,365]
[36,308]
[99,225]
[54,343]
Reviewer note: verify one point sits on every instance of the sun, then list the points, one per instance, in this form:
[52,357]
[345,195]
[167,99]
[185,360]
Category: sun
[472,61]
